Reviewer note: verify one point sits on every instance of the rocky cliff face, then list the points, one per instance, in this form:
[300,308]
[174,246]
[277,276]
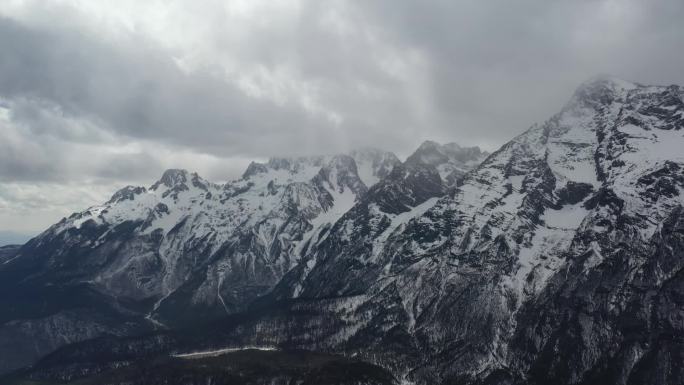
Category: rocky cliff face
[554,261]
[184,250]
[451,160]
[181,251]
[558,259]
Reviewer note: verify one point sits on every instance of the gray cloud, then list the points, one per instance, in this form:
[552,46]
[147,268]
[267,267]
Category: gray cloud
[99,95]
[498,67]
[136,91]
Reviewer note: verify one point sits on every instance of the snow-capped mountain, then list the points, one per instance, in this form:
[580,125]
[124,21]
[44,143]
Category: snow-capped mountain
[244,234]
[585,207]
[556,259]
[186,243]
[451,160]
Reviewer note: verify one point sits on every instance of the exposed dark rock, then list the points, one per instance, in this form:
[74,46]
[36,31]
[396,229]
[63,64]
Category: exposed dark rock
[557,260]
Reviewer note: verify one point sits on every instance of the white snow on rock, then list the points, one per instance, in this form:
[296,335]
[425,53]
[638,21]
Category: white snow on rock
[282,204]
[509,199]
[219,352]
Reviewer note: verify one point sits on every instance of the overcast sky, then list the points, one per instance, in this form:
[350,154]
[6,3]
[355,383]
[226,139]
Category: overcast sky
[95,95]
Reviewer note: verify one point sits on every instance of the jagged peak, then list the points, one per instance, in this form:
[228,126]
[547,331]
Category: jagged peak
[292,164]
[340,172]
[374,164]
[179,178]
[428,145]
[377,159]
[451,160]
[601,90]
[342,161]
[253,169]
[339,166]
[172,177]
[434,153]
[127,193]
[457,149]
[453,146]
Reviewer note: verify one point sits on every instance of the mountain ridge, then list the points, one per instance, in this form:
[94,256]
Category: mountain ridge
[557,259]
[185,242]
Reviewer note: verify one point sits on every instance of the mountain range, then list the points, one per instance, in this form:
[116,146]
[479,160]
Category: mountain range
[557,259]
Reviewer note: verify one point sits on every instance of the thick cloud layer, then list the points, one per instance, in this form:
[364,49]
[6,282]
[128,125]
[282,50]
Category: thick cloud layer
[95,95]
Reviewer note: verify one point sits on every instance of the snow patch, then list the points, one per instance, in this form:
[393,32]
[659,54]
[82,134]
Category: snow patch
[218,352]
[397,221]
[548,241]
